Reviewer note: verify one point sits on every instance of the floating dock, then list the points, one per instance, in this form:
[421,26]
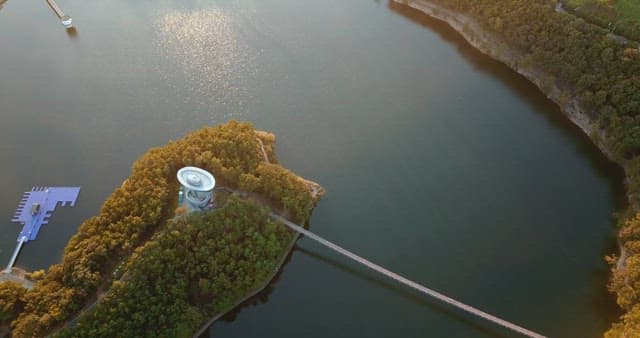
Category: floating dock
[35,209]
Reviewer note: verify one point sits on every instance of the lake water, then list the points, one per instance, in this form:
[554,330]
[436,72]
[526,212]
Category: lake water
[439,163]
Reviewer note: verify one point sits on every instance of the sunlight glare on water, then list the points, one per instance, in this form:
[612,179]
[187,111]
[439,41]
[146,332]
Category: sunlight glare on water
[217,66]
[438,162]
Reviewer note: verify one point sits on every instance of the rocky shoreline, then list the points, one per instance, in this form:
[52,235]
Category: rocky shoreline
[492,46]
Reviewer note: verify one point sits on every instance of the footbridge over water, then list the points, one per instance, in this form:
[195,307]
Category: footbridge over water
[408,282]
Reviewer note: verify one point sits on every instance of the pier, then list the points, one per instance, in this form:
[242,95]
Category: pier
[35,209]
[407,282]
[66,20]
[16,251]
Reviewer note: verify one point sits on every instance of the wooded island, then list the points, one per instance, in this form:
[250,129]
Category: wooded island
[157,271]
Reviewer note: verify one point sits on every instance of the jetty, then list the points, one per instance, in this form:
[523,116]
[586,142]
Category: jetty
[407,282]
[35,209]
[66,20]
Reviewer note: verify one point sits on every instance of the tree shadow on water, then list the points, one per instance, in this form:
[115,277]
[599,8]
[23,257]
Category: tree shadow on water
[416,298]
[526,91]
[261,297]
[484,329]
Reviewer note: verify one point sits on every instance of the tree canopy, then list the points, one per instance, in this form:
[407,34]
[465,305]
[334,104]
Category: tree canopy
[581,59]
[198,266]
[134,225]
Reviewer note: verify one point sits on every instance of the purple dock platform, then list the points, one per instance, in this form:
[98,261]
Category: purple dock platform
[48,198]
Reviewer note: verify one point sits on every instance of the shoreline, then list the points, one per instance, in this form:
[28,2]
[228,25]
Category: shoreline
[288,251]
[316,192]
[132,227]
[496,49]
[17,275]
[492,46]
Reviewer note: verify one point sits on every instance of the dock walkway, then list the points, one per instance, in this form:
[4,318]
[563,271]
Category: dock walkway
[46,199]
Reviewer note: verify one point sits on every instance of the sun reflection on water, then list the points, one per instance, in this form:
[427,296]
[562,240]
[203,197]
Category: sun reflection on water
[217,66]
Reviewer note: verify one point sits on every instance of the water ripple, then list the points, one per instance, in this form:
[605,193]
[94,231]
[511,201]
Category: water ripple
[217,65]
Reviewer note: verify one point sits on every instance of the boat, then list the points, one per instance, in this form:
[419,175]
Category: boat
[66,21]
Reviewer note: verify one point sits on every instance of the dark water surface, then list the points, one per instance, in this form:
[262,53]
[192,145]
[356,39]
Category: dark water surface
[438,162]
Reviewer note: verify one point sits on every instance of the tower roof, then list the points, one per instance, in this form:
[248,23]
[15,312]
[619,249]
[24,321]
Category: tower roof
[196,179]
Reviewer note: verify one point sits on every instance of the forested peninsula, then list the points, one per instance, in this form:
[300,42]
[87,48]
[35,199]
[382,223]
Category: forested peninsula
[594,78]
[144,268]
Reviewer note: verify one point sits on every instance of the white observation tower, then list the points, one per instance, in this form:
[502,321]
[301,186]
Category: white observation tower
[198,186]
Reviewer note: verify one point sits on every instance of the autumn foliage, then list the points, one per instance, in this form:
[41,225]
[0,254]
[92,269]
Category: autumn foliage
[135,218]
[196,267]
[573,55]
[11,301]
[583,61]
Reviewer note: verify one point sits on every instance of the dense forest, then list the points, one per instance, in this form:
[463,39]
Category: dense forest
[603,75]
[198,266]
[199,263]
[621,17]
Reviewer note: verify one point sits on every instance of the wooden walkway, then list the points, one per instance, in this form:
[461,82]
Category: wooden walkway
[407,282]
